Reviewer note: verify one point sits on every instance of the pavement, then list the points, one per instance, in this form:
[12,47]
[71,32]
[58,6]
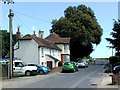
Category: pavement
[57,69]
[106,82]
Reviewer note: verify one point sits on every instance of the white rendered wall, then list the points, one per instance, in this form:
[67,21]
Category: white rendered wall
[27,52]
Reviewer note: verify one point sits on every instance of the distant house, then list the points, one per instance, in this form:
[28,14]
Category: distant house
[63,44]
[48,52]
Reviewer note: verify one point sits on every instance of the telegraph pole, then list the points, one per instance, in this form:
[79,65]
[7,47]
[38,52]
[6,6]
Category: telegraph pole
[11,14]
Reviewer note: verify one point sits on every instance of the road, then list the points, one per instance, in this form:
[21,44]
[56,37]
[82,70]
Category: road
[85,78]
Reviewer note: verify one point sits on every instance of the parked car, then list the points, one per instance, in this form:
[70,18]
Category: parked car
[75,65]
[68,66]
[116,70]
[82,63]
[20,68]
[41,69]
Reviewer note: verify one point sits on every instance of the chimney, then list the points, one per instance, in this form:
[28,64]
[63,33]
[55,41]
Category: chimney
[41,34]
[18,34]
[34,33]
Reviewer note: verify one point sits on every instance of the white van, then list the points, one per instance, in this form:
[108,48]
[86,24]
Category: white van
[20,68]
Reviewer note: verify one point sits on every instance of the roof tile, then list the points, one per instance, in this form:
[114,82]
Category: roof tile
[40,41]
[57,39]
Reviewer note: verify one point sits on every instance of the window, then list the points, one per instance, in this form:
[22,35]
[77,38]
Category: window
[53,53]
[50,51]
[18,64]
[31,65]
[42,51]
[66,47]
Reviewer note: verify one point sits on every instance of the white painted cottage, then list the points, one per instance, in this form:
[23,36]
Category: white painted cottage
[47,52]
[63,44]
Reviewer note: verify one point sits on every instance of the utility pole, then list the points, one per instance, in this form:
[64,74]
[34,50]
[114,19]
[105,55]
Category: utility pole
[11,14]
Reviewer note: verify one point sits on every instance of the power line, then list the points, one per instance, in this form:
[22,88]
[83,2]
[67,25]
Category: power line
[18,25]
[23,23]
[36,18]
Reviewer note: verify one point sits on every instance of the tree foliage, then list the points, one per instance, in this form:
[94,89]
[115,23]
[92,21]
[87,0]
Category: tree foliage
[115,40]
[6,42]
[79,23]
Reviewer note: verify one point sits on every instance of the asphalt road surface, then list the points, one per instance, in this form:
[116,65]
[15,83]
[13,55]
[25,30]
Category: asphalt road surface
[84,78]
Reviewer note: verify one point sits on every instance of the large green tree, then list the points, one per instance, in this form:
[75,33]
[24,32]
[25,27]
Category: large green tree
[79,23]
[6,42]
[115,40]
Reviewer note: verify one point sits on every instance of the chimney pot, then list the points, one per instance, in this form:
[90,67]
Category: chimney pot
[41,34]
[18,29]
[34,33]
[18,34]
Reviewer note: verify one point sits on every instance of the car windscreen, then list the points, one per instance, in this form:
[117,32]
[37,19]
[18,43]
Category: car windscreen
[80,61]
[67,63]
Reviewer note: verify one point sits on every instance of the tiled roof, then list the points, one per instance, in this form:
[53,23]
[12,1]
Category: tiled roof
[46,43]
[26,37]
[41,42]
[57,39]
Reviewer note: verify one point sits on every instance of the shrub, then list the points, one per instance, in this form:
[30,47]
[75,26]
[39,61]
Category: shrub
[116,64]
[114,59]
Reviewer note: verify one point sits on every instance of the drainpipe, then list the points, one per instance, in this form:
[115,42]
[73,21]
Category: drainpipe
[39,55]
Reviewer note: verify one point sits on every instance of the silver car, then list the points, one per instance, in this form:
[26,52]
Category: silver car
[82,63]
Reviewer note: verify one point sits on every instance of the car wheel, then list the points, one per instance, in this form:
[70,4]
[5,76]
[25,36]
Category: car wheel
[63,71]
[77,69]
[27,73]
[74,70]
[41,72]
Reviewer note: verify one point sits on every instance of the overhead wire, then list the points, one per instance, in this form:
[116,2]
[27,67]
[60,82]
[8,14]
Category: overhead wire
[36,18]
[23,23]
[18,25]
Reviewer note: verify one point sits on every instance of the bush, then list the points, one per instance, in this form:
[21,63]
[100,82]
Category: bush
[116,64]
[114,59]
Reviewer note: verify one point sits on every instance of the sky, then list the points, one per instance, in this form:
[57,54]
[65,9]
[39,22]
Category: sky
[35,16]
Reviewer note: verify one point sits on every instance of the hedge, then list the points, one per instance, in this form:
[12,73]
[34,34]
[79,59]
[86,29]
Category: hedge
[114,59]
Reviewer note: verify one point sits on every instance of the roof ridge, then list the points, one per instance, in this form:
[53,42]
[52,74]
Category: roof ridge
[46,43]
[57,34]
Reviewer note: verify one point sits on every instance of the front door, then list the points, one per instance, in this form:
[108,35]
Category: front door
[49,64]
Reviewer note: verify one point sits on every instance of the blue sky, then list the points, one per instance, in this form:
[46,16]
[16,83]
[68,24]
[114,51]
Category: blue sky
[38,15]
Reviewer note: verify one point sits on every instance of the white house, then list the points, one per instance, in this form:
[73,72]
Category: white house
[32,49]
[63,44]
[48,52]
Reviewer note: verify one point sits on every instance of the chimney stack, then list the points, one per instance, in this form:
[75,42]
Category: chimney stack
[41,34]
[34,33]
[18,34]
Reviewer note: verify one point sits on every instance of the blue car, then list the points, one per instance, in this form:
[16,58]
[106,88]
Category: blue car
[41,69]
